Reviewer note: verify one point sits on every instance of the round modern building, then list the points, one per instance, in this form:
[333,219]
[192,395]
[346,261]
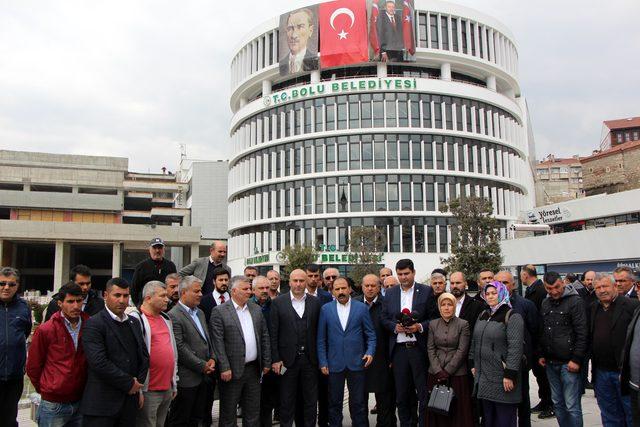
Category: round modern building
[376,144]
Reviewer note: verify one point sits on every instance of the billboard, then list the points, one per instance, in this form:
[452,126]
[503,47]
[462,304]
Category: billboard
[298,41]
[392,30]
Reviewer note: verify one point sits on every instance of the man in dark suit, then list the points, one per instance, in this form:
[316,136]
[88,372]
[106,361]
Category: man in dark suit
[630,366]
[220,278]
[390,33]
[294,326]
[299,30]
[117,362]
[609,320]
[536,293]
[203,267]
[314,284]
[408,344]
[92,302]
[346,345]
[527,310]
[156,267]
[467,308]
[195,356]
[484,276]
[379,378]
[625,281]
[242,348]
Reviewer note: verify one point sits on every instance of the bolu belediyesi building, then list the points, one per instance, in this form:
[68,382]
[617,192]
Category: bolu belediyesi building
[344,139]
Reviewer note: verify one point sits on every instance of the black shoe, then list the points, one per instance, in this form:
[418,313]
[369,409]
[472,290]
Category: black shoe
[547,413]
[374,410]
[589,385]
[538,408]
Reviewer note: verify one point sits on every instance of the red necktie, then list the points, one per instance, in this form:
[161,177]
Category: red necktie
[221,299]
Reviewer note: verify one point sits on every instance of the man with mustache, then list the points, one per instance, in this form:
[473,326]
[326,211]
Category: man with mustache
[346,345]
[299,30]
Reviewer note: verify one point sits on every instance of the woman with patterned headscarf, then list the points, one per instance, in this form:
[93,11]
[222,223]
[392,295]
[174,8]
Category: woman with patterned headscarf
[495,358]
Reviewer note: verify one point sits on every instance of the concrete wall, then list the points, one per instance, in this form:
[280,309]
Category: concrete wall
[209,198]
[66,201]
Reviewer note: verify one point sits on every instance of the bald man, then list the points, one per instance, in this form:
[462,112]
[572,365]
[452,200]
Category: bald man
[390,282]
[294,326]
[203,267]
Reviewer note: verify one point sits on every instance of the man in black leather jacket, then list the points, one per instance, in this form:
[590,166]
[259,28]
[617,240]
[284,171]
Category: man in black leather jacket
[563,344]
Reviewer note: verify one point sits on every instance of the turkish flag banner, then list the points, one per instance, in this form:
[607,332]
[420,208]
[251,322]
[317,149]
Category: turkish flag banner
[407,27]
[343,33]
[373,28]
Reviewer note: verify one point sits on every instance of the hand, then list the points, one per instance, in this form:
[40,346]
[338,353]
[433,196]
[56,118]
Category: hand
[473,371]
[225,376]
[507,384]
[400,329]
[384,57]
[442,375]
[210,366]
[136,387]
[173,395]
[542,362]
[265,370]
[367,360]
[276,367]
[573,367]
[324,370]
[140,400]
[413,329]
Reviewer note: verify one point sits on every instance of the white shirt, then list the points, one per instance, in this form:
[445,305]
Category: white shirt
[216,296]
[459,305]
[343,313]
[295,61]
[246,322]
[298,304]
[370,304]
[193,313]
[314,294]
[122,319]
[406,301]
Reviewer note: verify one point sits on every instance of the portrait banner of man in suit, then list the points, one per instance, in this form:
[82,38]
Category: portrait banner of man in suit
[298,41]
[392,30]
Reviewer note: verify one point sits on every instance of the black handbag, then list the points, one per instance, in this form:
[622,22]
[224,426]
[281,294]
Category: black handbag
[440,399]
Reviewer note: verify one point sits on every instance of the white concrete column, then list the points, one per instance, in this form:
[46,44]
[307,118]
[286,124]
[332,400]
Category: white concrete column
[61,265]
[116,260]
[315,76]
[266,87]
[445,71]
[2,253]
[195,251]
[382,70]
[243,102]
[510,93]
[74,190]
[491,83]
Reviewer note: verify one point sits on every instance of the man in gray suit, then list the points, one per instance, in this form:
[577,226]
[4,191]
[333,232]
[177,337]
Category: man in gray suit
[242,348]
[203,267]
[195,355]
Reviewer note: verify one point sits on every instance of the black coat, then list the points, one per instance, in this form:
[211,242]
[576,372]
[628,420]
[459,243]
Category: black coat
[283,337]
[527,310]
[107,382]
[147,271]
[536,293]
[94,305]
[623,311]
[625,369]
[471,309]
[378,374]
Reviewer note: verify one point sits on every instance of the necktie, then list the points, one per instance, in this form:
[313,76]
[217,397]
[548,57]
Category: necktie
[221,299]
[393,21]
[292,65]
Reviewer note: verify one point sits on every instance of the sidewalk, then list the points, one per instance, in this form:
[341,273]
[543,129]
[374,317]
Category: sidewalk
[589,409]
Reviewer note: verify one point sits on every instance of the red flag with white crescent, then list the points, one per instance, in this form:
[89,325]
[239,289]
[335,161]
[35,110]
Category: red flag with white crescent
[343,33]
[407,27]
[373,28]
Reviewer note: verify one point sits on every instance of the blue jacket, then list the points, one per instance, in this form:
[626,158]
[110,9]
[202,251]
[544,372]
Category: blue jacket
[343,349]
[15,327]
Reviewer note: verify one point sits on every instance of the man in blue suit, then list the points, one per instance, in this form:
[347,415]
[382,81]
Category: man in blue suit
[346,344]
[314,284]
[408,344]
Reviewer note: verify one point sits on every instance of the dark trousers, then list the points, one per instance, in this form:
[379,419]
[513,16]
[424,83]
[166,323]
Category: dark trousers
[386,406]
[269,398]
[10,392]
[544,391]
[323,400]
[357,406]
[299,387]
[410,376]
[524,408]
[124,418]
[207,419]
[187,409]
[635,407]
[499,414]
[244,391]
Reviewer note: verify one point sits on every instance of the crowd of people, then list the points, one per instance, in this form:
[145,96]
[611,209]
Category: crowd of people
[154,351]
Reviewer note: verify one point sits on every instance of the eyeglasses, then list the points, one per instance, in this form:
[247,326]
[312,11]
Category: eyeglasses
[83,283]
[9,284]
[331,277]
[505,282]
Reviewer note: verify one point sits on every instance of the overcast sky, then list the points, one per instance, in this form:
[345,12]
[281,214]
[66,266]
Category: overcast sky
[137,78]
